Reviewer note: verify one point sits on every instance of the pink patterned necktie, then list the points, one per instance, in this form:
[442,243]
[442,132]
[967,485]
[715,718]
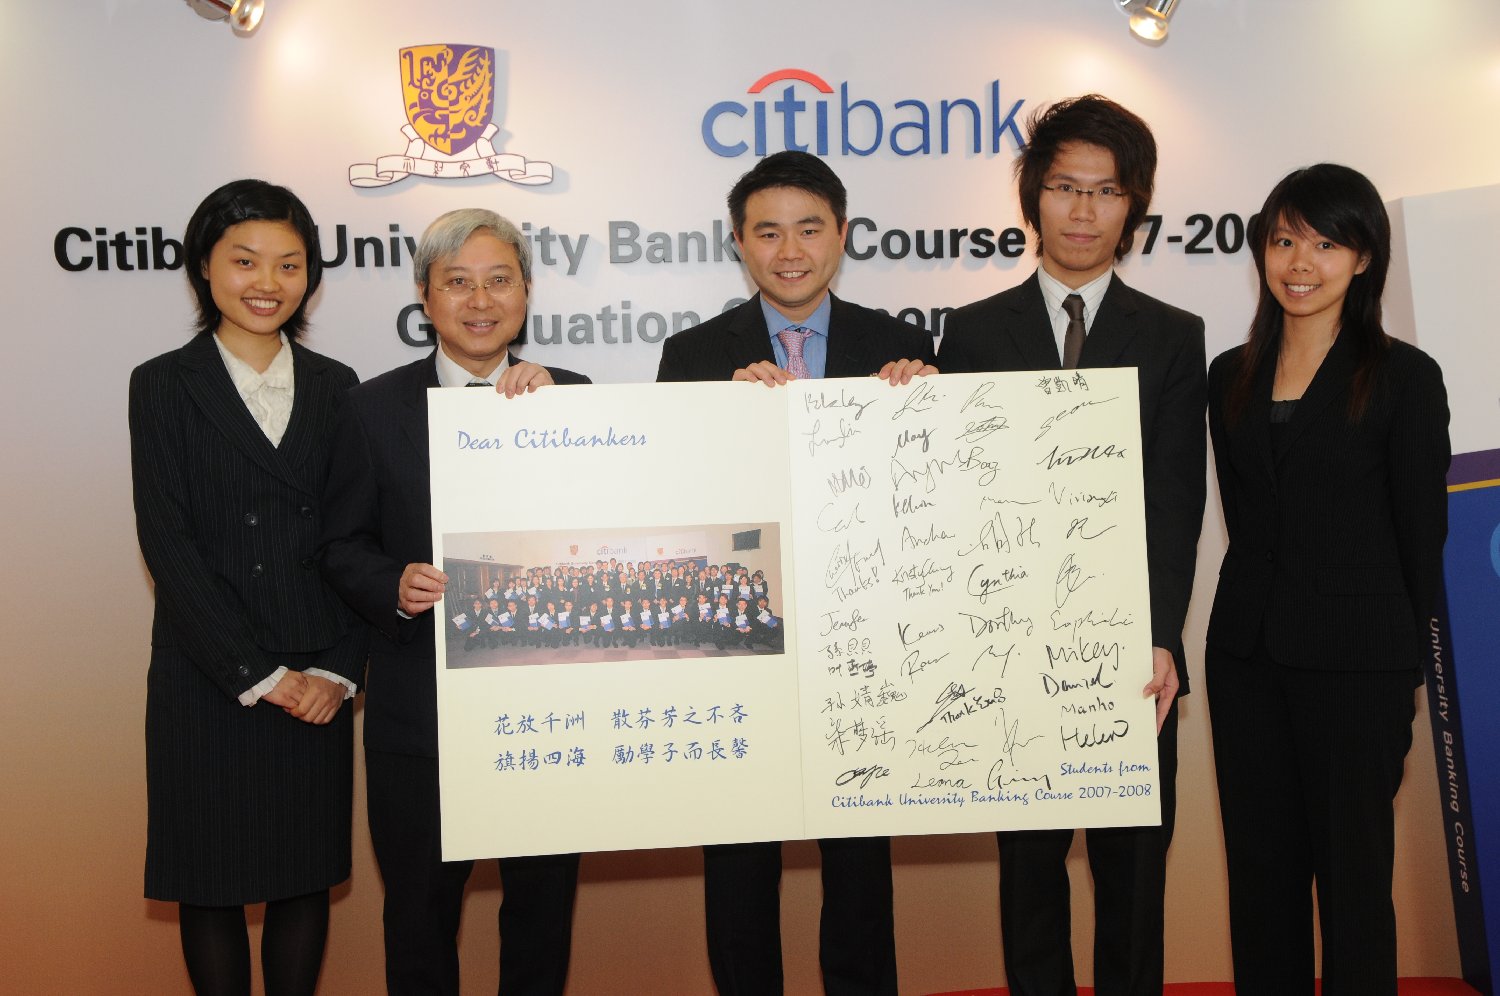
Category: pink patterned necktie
[792,338]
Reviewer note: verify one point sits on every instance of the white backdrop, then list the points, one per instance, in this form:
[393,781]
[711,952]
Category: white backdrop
[122,114]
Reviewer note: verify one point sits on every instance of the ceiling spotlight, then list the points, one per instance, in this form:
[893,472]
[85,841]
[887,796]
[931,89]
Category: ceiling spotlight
[1148,18]
[243,15]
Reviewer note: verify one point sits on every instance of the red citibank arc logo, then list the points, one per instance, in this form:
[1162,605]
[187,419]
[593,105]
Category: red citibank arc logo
[815,116]
[790,74]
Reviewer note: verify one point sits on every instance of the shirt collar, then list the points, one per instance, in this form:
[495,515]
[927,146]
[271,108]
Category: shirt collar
[450,374]
[247,381]
[817,321]
[1054,291]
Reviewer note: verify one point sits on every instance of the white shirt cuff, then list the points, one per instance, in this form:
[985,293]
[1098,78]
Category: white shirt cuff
[348,685]
[254,693]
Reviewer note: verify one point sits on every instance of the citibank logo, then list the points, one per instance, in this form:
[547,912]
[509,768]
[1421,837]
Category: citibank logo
[800,110]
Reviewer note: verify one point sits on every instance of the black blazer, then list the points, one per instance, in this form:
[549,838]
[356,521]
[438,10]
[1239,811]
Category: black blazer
[228,523]
[860,342]
[379,519]
[1012,331]
[1335,549]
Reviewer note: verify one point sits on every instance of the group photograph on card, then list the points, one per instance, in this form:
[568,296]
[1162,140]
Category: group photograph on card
[588,596]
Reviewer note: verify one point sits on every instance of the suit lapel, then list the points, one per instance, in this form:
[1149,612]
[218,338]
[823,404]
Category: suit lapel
[1031,331]
[309,396]
[843,358]
[1256,421]
[1331,383]
[207,382]
[749,338]
[414,424]
[1114,327]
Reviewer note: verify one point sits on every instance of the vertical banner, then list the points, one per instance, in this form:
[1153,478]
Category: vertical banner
[1438,268]
[1464,654]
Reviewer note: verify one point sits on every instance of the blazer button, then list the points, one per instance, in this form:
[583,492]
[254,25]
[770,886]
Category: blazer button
[244,671]
[251,519]
[309,563]
[1270,557]
[306,511]
[257,571]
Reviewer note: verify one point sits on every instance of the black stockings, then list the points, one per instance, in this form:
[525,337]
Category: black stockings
[216,946]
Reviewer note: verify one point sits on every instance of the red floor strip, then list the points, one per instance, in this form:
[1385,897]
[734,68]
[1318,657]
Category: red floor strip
[1407,987]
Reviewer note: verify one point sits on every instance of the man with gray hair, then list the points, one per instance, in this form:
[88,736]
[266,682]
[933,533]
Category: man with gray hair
[473,275]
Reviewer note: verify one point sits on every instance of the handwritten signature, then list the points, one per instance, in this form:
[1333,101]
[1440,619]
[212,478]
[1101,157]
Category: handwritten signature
[815,438]
[1070,578]
[1052,420]
[922,399]
[822,402]
[864,775]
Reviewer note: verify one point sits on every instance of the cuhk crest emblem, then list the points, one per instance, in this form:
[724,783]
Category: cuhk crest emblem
[449,92]
[572,549]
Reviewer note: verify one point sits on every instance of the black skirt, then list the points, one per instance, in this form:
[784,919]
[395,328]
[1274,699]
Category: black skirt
[244,804]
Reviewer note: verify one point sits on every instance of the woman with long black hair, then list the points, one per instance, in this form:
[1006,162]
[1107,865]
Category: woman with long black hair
[1331,440]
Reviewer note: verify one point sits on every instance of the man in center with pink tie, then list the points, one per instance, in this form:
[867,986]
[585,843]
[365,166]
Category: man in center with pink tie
[790,222]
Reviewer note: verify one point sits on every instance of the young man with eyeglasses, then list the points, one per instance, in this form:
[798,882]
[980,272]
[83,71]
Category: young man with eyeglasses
[473,275]
[1086,178]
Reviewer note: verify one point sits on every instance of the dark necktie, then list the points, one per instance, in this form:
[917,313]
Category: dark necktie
[1073,338]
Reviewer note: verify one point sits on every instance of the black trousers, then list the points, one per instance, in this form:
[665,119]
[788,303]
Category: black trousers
[1308,764]
[857,930]
[424,893]
[1129,867]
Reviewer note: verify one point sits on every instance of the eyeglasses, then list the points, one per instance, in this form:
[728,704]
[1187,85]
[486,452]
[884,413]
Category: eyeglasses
[502,285]
[1104,195]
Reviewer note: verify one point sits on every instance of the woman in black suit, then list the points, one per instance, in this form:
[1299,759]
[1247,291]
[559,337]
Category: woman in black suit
[1331,441]
[249,750]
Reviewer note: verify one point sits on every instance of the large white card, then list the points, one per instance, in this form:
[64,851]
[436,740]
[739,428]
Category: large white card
[935,611]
